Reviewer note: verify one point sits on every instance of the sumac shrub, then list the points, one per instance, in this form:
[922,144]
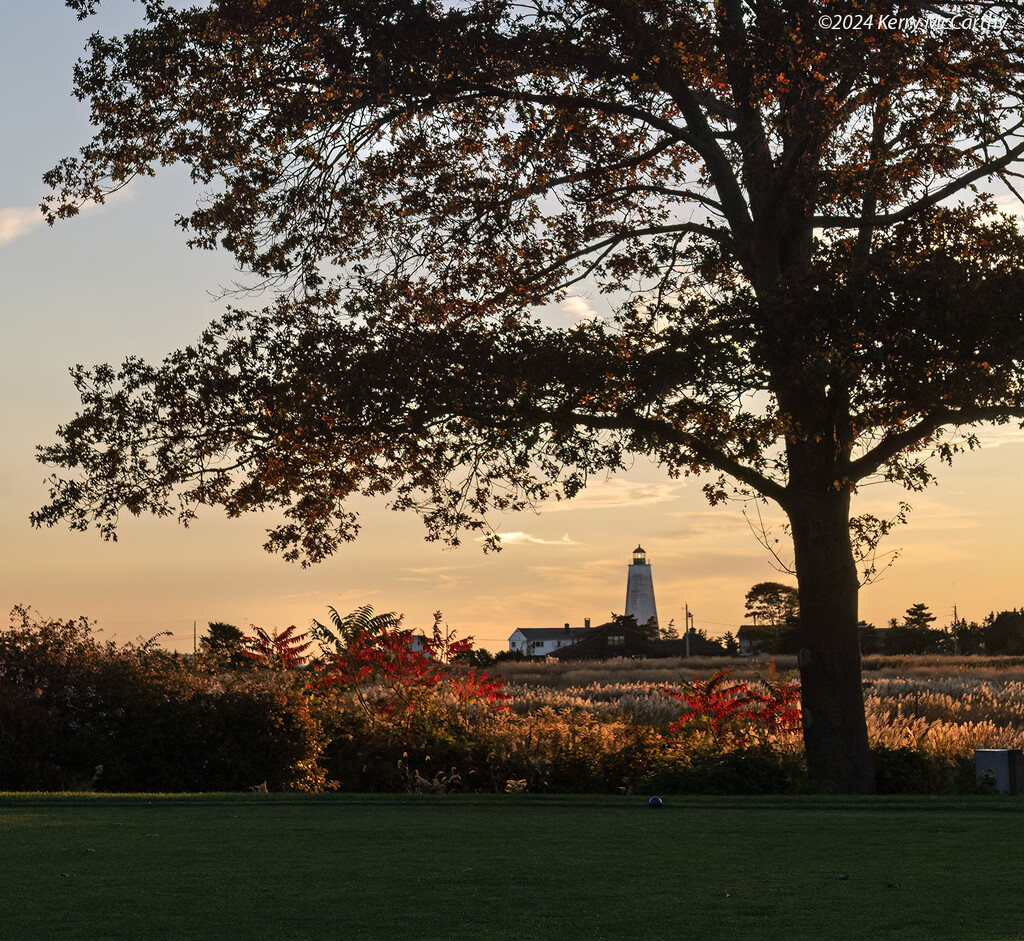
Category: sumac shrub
[737,714]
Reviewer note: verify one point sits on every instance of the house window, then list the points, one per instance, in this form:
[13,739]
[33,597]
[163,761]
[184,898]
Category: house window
[616,640]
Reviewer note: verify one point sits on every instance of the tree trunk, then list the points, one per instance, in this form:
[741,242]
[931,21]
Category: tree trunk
[835,729]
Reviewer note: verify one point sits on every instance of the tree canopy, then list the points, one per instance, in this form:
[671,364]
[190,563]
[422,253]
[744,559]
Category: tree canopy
[915,635]
[795,225]
[773,604]
[225,640]
[918,616]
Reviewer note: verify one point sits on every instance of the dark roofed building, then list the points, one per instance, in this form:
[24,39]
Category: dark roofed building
[605,642]
[614,640]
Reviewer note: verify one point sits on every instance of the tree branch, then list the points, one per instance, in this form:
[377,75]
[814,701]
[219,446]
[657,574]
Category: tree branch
[896,442]
[956,185]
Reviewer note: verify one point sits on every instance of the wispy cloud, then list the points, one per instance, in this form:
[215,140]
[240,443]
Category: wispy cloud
[436,574]
[713,522]
[934,516]
[439,579]
[994,436]
[619,493]
[520,538]
[333,598]
[578,307]
[17,220]
[1010,204]
[926,513]
[432,569]
[552,585]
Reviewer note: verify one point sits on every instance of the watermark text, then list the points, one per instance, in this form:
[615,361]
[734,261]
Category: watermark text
[929,23]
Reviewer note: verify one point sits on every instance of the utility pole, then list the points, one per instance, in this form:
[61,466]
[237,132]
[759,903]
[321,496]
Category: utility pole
[195,643]
[686,628]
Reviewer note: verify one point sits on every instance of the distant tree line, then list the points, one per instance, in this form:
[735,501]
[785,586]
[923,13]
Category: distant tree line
[999,634]
[775,610]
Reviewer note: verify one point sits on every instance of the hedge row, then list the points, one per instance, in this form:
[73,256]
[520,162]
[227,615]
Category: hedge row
[79,714]
[76,713]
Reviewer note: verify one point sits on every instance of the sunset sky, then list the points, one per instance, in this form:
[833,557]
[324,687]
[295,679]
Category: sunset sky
[119,280]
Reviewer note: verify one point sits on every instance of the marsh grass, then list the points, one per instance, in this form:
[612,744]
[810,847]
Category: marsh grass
[1006,669]
[946,706]
[569,674]
[517,867]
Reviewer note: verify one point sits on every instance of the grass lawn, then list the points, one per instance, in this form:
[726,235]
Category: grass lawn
[379,867]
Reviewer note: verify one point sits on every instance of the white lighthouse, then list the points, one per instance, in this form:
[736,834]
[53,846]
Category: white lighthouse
[640,589]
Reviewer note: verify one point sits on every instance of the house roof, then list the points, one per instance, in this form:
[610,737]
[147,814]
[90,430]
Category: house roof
[595,645]
[698,647]
[633,644]
[540,634]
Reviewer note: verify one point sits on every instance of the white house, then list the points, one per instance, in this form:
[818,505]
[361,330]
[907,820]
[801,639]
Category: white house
[541,641]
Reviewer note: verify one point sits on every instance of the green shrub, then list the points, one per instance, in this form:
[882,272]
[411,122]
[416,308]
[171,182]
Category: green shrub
[76,713]
[753,770]
[911,770]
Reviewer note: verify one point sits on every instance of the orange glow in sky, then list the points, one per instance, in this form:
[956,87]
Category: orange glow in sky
[118,280]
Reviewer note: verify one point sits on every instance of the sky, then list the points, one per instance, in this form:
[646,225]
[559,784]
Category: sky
[119,280]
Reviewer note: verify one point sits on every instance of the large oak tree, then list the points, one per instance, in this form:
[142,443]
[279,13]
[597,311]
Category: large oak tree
[793,222]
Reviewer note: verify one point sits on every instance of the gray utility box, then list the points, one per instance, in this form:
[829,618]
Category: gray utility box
[1004,767]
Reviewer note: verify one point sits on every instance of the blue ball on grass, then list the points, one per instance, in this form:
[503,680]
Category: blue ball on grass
[654,803]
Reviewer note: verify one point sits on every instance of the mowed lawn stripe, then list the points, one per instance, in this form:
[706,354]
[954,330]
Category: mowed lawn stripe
[510,867]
